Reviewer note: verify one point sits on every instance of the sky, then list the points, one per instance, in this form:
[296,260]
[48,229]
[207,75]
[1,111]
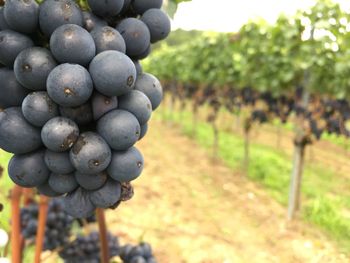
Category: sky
[230,15]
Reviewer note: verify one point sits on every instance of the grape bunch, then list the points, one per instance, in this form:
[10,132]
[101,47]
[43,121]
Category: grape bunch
[141,253]
[87,249]
[58,224]
[74,100]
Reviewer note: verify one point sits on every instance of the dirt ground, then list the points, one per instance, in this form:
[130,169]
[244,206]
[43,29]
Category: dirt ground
[193,209]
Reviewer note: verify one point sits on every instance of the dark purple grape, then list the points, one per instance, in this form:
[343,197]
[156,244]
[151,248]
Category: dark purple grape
[141,6]
[144,129]
[119,128]
[136,35]
[102,104]
[126,165]
[106,8]
[45,189]
[158,24]
[107,196]
[12,92]
[90,154]
[59,134]
[69,85]
[151,87]
[22,16]
[16,134]
[63,183]
[3,23]
[33,66]
[138,104]
[91,181]
[28,170]
[55,13]
[11,44]
[113,73]
[107,38]
[38,108]
[58,162]
[78,205]
[92,22]
[72,44]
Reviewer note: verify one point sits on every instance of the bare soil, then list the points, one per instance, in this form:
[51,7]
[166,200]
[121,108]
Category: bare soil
[193,209]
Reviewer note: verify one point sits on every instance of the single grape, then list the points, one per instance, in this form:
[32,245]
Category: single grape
[126,165]
[106,8]
[59,134]
[90,154]
[12,92]
[16,134]
[38,108]
[55,13]
[91,181]
[58,162]
[144,129]
[45,189]
[138,104]
[102,104]
[33,66]
[72,44]
[63,183]
[136,35]
[151,87]
[107,196]
[113,73]
[3,23]
[78,205]
[141,6]
[11,44]
[158,24]
[107,38]
[22,16]
[69,85]
[119,128]
[28,170]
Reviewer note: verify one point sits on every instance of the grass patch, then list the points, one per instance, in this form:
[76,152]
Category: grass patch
[5,186]
[338,140]
[326,203]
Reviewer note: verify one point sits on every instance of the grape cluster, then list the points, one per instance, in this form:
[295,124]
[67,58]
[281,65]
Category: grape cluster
[87,249]
[141,253]
[74,99]
[321,114]
[58,225]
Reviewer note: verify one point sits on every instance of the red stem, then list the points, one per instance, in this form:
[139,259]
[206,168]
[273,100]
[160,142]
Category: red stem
[40,234]
[16,225]
[103,235]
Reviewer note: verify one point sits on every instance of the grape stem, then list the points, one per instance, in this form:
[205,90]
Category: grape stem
[16,225]
[40,234]
[103,235]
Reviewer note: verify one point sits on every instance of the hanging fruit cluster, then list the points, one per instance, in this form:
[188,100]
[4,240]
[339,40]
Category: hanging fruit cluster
[74,99]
